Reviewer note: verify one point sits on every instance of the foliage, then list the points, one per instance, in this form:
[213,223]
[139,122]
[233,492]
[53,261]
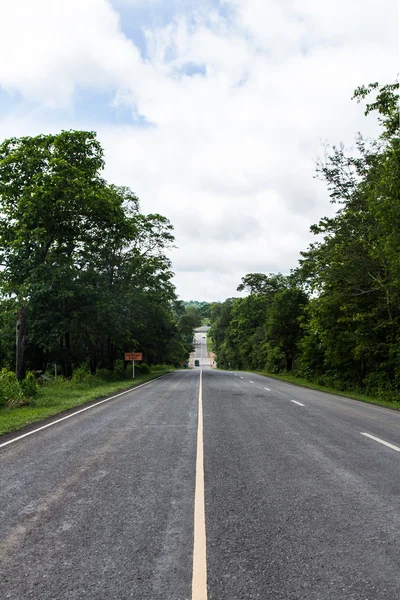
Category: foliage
[81,374]
[203,308]
[262,330]
[90,268]
[142,368]
[11,392]
[352,337]
[29,386]
[336,319]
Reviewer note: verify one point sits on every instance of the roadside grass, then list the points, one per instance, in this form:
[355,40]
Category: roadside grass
[60,395]
[395,405]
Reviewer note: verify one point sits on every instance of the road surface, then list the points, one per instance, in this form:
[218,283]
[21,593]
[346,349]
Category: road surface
[200,348]
[300,501]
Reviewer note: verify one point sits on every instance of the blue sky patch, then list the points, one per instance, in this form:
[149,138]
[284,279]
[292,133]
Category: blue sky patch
[136,18]
[9,102]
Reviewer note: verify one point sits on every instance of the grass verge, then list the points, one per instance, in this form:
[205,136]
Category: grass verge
[395,405]
[60,396]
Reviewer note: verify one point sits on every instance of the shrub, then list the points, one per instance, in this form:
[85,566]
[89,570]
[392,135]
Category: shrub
[81,374]
[106,375]
[11,393]
[119,368]
[142,368]
[162,367]
[28,385]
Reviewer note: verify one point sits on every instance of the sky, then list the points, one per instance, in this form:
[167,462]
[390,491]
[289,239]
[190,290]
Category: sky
[213,112]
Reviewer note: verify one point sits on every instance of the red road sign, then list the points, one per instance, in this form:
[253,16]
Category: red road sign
[133,355]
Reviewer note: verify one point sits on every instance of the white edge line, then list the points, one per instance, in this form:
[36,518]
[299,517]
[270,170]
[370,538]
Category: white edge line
[381,441]
[251,381]
[20,437]
[242,378]
[299,403]
[268,390]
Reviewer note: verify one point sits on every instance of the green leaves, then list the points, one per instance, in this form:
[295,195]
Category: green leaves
[348,334]
[262,330]
[90,265]
[355,269]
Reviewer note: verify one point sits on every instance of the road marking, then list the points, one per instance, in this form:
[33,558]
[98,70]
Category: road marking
[268,390]
[199,578]
[242,378]
[381,441]
[78,411]
[299,403]
[251,381]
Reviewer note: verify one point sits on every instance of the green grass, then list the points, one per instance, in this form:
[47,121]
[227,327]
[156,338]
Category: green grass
[61,395]
[395,405]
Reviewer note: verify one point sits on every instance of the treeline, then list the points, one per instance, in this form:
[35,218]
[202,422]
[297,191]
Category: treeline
[199,310]
[84,274]
[336,318]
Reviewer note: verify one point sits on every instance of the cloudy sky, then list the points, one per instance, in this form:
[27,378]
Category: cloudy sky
[212,111]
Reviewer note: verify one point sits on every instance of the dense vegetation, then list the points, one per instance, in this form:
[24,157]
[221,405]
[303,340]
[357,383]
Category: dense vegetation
[336,319]
[84,274]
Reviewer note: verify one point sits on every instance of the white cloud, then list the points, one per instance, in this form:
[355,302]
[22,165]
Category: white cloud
[230,154]
[53,47]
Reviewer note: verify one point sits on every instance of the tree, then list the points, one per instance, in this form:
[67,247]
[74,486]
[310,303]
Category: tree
[259,283]
[51,207]
[354,270]
[283,327]
[263,329]
[86,270]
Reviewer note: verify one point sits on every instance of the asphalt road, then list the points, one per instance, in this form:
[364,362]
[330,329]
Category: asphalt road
[101,505]
[200,347]
[299,505]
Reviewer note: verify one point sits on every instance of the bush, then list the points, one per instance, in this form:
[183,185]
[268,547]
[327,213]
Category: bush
[142,369]
[28,385]
[275,361]
[106,375]
[162,367]
[11,393]
[81,374]
[119,368]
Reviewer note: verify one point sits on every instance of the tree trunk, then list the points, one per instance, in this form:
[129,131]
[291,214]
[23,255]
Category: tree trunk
[111,354]
[289,363]
[65,345]
[21,334]
[68,365]
[93,364]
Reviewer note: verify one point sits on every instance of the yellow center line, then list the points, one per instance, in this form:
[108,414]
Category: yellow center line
[199,578]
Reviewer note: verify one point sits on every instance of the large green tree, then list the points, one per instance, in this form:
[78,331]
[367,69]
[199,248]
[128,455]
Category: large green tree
[83,267]
[354,269]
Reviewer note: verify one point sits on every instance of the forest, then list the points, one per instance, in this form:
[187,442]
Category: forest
[335,319]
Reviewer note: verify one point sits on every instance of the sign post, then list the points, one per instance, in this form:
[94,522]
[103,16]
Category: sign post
[133,356]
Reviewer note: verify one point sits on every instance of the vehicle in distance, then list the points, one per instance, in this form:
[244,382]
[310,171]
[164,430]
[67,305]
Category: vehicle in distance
[204,336]
[196,363]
